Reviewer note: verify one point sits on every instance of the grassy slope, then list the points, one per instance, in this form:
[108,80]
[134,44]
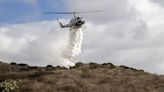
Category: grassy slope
[83,78]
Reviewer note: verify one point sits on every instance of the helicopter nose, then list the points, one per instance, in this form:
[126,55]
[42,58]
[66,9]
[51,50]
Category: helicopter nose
[81,22]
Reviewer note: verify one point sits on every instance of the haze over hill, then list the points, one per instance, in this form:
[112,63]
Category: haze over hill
[90,77]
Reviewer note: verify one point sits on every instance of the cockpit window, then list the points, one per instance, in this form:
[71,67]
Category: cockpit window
[78,17]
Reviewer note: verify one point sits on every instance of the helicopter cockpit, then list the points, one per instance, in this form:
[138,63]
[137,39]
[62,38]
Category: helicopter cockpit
[78,21]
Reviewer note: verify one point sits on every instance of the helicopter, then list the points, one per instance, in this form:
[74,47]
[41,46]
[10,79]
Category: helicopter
[75,22]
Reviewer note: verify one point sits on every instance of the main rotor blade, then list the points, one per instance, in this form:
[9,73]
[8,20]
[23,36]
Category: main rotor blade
[71,12]
[88,11]
[58,13]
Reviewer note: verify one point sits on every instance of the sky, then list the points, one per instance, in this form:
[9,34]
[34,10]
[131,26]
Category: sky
[126,32]
[21,11]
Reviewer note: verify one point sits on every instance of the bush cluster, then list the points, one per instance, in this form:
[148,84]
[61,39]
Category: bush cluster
[10,85]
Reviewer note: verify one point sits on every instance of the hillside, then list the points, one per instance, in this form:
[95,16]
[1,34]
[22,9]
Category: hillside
[90,77]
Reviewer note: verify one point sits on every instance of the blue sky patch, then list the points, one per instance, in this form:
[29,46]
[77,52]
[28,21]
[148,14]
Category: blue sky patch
[18,11]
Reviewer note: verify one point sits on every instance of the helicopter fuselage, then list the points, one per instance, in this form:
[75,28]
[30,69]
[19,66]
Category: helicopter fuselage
[75,22]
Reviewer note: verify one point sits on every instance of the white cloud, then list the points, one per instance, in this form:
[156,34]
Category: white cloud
[112,10]
[160,2]
[33,43]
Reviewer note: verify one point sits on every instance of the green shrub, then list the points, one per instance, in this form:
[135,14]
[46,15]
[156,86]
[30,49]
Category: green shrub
[10,85]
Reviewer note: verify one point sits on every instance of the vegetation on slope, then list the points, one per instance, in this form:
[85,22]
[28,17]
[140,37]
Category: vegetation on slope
[90,77]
